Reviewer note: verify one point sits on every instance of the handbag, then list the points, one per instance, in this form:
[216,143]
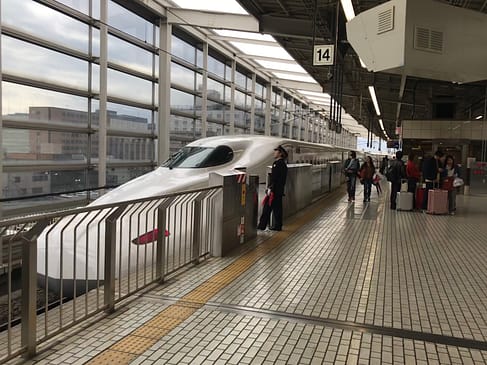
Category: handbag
[447,183]
[457,182]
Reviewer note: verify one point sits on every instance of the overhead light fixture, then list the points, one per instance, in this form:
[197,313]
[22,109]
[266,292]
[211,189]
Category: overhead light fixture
[479,117]
[381,124]
[374,100]
[348,9]
[362,63]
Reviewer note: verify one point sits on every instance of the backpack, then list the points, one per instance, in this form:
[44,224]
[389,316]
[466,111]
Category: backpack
[389,172]
[395,171]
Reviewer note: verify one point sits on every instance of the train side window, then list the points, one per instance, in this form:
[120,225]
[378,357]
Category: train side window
[220,155]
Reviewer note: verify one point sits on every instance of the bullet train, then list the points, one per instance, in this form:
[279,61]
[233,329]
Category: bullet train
[74,246]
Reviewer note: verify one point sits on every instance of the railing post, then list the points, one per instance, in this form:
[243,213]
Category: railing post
[29,288]
[198,214]
[161,227]
[110,260]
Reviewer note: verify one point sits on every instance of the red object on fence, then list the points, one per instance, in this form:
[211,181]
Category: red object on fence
[148,237]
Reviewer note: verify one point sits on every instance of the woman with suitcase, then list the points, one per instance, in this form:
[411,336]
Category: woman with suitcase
[451,171]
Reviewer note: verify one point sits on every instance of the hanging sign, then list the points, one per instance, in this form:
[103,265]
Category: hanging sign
[323,55]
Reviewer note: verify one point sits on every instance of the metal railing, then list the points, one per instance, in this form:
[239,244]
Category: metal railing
[80,262]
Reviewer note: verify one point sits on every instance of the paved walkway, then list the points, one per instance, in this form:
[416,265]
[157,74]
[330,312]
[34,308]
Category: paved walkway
[342,284]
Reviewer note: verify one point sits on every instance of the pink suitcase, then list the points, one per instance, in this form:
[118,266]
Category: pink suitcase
[437,201]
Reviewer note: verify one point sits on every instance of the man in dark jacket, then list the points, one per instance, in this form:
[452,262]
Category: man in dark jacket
[397,172]
[275,191]
[432,167]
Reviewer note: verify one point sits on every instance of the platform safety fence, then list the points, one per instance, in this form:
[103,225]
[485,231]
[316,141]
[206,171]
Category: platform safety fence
[59,269]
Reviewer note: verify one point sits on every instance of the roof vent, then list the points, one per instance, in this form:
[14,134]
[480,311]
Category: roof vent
[385,20]
[428,40]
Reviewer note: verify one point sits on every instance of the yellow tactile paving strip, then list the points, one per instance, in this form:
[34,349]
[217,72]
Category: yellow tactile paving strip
[140,340]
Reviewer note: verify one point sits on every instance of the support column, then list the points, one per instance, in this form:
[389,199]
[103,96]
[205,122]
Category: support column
[252,104]
[232,99]
[268,109]
[102,115]
[164,114]
[307,121]
[281,114]
[292,119]
[204,92]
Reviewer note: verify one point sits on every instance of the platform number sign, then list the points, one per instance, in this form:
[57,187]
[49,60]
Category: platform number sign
[323,55]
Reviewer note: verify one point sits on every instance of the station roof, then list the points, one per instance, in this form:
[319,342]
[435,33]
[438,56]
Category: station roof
[295,24]
[265,52]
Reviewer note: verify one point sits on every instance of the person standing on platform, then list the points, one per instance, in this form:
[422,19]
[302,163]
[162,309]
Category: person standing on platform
[431,170]
[275,191]
[367,171]
[413,174]
[396,174]
[383,165]
[450,172]
[351,170]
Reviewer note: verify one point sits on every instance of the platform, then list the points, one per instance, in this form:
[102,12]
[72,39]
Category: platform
[342,284]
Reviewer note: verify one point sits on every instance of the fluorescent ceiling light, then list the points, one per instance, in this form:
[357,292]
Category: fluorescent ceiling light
[348,9]
[381,124]
[479,117]
[374,100]
[261,50]
[231,6]
[284,76]
[245,35]
[314,93]
[281,66]
[362,63]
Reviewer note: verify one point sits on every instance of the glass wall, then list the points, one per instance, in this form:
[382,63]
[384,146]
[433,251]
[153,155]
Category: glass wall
[51,87]
[50,107]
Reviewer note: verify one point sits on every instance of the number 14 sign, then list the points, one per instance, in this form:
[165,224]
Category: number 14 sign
[323,55]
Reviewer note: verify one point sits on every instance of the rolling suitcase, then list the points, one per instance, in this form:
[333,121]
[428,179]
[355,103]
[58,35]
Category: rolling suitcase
[404,200]
[437,201]
[419,198]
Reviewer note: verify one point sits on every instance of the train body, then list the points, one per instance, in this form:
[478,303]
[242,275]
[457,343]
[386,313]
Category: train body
[73,248]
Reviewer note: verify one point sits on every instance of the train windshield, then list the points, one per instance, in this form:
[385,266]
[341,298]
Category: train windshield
[199,157]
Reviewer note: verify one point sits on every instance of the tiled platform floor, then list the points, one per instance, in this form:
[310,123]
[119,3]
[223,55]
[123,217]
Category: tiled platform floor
[359,283]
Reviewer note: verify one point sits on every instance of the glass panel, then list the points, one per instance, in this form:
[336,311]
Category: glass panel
[228,94]
[129,23]
[27,60]
[216,67]
[199,57]
[259,90]
[28,103]
[127,118]
[240,79]
[228,72]
[120,175]
[259,106]
[80,5]
[182,101]
[259,125]
[216,111]
[240,98]
[21,184]
[129,87]
[128,55]
[215,89]
[182,76]
[214,130]
[181,126]
[31,17]
[183,50]
[32,146]
[129,149]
